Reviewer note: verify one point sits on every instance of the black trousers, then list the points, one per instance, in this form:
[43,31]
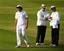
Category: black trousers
[55,35]
[41,30]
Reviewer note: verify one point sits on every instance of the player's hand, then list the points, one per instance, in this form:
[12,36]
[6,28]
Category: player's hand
[26,26]
[50,18]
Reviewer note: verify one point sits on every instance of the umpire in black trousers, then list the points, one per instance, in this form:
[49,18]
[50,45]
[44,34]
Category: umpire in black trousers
[55,24]
[41,25]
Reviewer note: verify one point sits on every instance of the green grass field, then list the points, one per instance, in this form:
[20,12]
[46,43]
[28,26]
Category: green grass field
[7,24]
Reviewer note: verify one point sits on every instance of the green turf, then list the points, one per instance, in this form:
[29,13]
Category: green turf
[7,24]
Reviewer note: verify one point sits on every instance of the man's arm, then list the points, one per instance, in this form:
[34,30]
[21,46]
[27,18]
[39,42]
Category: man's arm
[15,22]
[15,19]
[26,23]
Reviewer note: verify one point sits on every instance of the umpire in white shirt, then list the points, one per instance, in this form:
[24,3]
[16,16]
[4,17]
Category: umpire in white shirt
[54,23]
[41,24]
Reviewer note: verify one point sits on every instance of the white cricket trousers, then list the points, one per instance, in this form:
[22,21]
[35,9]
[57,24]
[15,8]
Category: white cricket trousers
[19,30]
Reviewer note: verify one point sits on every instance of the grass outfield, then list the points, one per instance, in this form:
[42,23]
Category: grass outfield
[7,24]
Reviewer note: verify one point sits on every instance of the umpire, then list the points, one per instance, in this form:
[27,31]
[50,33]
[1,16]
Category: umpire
[54,23]
[41,25]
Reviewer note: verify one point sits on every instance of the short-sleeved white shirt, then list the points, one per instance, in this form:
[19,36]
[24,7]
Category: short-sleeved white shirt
[21,17]
[55,19]
[41,18]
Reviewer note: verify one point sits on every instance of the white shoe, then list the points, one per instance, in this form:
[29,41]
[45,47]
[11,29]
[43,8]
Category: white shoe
[42,44]
[53,45]
[37,44]
[28,46]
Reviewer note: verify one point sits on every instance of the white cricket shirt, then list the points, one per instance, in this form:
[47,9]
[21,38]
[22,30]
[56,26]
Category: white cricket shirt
[55,19]
[21,17]
[41,18]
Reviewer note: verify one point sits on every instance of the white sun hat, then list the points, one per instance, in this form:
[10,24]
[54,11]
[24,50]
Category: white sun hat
[43,5]
[19,6]
[53,6]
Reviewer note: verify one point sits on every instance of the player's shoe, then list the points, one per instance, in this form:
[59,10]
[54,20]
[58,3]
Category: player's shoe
[28,46]
[18,46]
[37,44]
[41,44]
[53,45]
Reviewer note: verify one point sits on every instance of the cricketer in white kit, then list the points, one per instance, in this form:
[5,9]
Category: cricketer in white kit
[21,25]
